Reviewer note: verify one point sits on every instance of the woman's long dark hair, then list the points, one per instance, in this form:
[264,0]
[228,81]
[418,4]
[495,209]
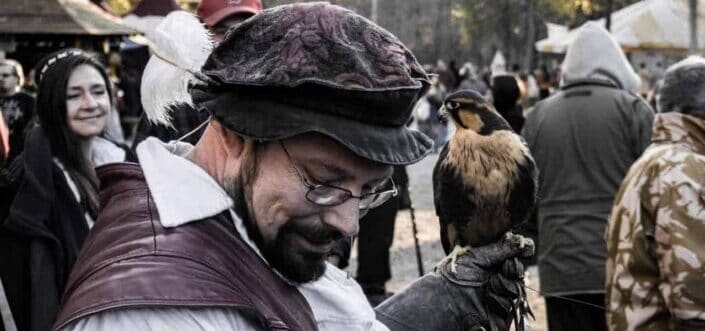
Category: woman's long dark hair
[54,72]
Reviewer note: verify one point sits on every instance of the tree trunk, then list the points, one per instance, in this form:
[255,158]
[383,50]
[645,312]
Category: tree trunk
[530,35]
[507,33]
[693,26]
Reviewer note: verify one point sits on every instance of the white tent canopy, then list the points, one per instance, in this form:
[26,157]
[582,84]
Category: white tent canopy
[648,24]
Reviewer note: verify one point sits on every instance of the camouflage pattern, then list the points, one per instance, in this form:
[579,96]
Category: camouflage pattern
[656,234]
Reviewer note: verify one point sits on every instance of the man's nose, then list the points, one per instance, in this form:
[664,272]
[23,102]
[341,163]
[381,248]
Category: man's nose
[344,217]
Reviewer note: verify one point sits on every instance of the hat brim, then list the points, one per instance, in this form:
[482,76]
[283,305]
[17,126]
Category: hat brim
[392,145]
[228,11]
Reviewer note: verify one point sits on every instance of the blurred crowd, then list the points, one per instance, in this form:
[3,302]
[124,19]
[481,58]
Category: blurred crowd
[620,147]
[513,91]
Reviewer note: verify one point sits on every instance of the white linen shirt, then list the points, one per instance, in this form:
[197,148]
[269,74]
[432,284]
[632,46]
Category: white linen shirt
[183,193]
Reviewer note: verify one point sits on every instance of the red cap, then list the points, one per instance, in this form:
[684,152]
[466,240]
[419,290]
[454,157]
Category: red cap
[214,11]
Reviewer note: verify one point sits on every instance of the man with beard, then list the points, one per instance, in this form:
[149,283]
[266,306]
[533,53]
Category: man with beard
[309,104]
[17,107]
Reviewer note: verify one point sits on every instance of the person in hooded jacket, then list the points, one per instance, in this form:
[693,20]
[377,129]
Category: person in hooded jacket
[505,95]
[584,138]
[48,195]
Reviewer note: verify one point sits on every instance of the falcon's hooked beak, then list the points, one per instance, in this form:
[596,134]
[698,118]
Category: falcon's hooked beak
[443,115]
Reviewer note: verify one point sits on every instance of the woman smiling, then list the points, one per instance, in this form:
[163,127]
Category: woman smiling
[52,188]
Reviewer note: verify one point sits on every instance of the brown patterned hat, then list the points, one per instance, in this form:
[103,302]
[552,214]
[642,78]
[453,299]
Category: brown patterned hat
[316,67]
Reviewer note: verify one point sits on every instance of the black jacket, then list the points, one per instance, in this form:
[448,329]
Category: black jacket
[506,94]
[41,233]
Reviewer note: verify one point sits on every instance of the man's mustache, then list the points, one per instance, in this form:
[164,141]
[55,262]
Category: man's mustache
[319,234]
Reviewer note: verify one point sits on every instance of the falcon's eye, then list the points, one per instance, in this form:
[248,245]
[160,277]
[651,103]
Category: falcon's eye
[452,105]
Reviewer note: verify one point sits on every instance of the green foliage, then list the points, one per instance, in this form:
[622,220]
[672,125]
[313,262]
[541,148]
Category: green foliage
[576,12]
[188,5]
[121,7]
[485,26]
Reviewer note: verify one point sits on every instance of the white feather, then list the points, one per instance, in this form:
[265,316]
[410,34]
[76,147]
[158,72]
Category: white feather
[181,46]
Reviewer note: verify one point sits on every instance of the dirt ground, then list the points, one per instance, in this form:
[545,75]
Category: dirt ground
[403,258]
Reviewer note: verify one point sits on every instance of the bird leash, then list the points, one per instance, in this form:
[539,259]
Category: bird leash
[567,299]
[414,230]
[521,309]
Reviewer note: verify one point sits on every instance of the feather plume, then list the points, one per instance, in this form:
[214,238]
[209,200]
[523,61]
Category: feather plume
[181,46]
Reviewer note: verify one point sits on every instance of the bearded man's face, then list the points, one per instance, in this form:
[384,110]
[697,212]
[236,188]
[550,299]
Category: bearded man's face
[295,235]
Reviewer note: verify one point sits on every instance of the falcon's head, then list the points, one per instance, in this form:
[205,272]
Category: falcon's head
[468,110]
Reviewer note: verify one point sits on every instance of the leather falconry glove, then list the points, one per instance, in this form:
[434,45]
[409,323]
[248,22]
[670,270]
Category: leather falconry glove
[485,292]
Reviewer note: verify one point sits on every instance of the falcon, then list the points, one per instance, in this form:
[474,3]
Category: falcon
[485,179]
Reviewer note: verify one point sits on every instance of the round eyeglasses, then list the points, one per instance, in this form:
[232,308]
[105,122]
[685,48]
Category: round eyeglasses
[328,195]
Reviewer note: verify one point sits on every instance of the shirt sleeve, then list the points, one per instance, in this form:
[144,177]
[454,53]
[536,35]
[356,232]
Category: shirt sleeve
[679,238]
[158,319]
[527,132]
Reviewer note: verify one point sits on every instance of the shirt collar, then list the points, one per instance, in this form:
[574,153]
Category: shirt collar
[182,191]
[104,151]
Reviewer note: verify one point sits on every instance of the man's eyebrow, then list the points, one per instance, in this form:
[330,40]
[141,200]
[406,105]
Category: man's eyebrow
[316,163]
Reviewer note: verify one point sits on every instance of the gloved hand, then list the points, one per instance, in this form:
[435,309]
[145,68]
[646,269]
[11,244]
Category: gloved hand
[480,295]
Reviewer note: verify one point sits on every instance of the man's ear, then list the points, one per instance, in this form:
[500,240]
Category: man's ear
[230,140]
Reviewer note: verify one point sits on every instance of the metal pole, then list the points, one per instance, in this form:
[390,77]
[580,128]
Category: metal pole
[417,247]
[375,10]
[6,315]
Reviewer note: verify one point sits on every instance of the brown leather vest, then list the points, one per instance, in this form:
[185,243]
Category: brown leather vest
[129,261]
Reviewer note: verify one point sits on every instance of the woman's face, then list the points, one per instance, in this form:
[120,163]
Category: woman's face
[87,101]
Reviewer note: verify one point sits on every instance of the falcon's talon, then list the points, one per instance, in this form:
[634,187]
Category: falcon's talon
[453,256]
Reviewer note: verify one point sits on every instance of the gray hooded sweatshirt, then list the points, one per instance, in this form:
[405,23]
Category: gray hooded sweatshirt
[584,139]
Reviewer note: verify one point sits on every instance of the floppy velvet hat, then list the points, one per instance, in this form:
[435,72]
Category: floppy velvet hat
[317,67]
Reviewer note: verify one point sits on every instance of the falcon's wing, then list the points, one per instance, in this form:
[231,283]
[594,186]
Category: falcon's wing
[450,197]
[438,197]
[523,198]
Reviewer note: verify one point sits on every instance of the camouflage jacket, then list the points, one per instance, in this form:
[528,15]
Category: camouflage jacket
[656,234]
